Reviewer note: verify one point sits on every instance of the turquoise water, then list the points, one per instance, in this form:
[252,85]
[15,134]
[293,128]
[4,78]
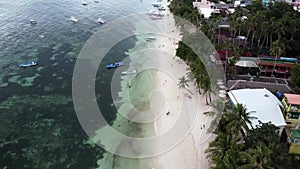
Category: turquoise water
[135,101]
[38,125]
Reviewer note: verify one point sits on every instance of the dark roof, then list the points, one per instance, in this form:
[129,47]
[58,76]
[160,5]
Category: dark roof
[223,6]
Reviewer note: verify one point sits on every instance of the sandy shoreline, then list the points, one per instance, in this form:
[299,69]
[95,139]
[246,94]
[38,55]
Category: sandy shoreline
[166,102]
[190,153]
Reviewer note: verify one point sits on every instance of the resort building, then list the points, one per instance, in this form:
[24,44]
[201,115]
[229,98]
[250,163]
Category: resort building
[294,141]
[291,112]
[207,8]
[262,103]
[247,66]
[276,67]
[291,105]
[267,2]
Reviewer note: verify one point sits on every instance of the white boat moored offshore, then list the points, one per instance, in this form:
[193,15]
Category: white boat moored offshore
[33,22]
[28,64]
[84,3]
[73,19]
[155,17]
[100,20]
[129,72]
[150,38]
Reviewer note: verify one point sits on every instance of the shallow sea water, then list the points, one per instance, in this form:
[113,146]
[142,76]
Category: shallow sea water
[38,126]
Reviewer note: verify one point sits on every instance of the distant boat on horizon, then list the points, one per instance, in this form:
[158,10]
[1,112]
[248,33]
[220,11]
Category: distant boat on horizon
[28,64]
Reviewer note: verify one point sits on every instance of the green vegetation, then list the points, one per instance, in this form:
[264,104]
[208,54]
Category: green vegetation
[185,10]
[295,78]
[278,24]
[275,29]
[260,148]
[271,31]
[197,72]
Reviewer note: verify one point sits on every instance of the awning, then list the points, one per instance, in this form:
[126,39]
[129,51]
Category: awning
[242,63]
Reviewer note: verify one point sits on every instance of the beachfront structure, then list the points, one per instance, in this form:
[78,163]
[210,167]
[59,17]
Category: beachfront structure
[277,67]
[265,106]
[247,66]
[296,6]
[291,112]
[204,7]
[293,140]
[267,2]
[291,105]
[207,8]
[242,3]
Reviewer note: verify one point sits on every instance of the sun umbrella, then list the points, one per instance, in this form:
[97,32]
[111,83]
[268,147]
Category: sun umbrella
[222,87]
[222,95]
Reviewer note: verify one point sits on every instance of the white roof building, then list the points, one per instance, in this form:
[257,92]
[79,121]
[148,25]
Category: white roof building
[265,106]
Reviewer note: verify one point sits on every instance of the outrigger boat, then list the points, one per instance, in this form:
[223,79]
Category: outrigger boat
[28,64]
[114,65]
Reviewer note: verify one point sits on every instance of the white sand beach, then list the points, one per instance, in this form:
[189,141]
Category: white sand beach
[190,153]
[170,106]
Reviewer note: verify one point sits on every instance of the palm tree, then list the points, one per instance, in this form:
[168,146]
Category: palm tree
[250,27]
[206,86]
[277,49]
[261,155]
[217,112]
[227,47]
[183,82]
[236,55]
[235,159]
[272,24]
[261,27]
[238,119]
[253,20]
[199,73]
[280,28]
[219,147]
[190,75]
